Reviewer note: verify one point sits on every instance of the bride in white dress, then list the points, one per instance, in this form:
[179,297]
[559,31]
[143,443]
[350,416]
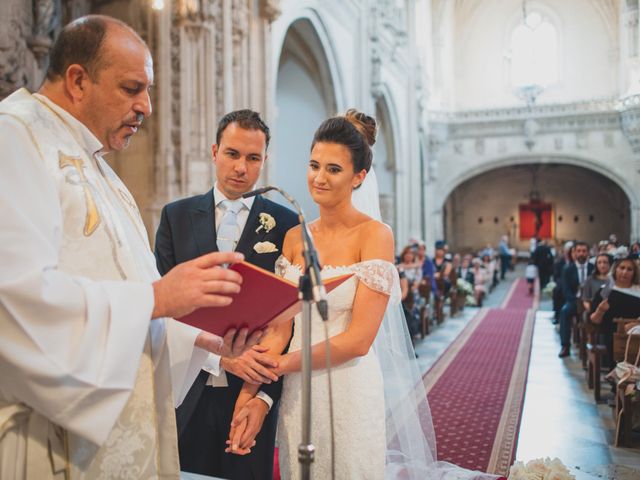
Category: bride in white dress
[382,422]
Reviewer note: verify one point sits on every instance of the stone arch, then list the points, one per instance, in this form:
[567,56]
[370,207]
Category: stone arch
[307,91]
[279,35]
[593,175]
[386,155]
[509,161]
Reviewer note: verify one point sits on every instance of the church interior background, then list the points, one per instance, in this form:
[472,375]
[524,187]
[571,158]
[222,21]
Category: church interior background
[486,108]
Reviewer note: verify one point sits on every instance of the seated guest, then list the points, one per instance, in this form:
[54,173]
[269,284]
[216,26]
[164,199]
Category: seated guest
[409,265]
[573,275]
[479,279]
[428,269]
[442,266]
[606,306]
[490,265]
[465,270]
[456,260]
[408,304]
[596,280]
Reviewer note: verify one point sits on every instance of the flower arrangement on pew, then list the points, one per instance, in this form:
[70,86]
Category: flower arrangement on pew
[540,469]
[466,289]
[548,289]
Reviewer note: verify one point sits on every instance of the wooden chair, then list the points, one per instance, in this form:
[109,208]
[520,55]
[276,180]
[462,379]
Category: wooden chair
[620,339]
[424,290]
[453,293]
[594,353]
[626,398]
[625,406]
[439,303]
[576,323]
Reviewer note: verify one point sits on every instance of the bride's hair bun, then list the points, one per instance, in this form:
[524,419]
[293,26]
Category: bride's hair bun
[365,124]
[356,131]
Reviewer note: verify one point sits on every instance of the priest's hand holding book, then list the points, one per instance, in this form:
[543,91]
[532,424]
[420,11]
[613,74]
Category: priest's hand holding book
[204,282]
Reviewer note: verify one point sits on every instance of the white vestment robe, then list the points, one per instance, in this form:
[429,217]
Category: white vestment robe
[86,383]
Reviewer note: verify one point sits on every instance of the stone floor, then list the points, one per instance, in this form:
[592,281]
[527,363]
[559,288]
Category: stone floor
[560,418]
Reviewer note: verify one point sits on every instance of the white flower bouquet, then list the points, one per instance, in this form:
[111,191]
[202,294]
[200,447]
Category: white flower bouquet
[464,287]
[548,289]
[540,469]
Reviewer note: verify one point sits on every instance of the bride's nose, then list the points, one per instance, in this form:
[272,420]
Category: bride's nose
[320,178]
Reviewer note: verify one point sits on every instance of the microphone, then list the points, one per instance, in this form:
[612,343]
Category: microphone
[259,191]
[308,249]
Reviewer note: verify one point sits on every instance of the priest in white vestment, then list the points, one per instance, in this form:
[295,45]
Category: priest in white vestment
[86,384]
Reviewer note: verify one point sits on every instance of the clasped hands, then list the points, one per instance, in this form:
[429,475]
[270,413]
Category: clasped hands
[250,411]
[203,282]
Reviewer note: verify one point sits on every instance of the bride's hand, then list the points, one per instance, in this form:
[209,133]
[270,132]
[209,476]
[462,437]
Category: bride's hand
[254,366]
[282,362]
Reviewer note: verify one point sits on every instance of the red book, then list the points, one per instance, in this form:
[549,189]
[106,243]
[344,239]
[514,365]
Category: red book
[264,298]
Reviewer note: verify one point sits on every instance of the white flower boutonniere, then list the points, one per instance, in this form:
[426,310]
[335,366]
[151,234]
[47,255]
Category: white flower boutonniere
[267,222]
[265,247]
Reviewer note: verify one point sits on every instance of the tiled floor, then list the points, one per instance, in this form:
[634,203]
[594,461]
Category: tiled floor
[560,418]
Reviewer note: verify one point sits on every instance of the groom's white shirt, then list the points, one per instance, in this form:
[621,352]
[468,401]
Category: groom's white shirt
[217,377]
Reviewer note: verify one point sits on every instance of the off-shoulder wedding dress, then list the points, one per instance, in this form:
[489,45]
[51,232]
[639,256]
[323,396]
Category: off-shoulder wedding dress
[358,390]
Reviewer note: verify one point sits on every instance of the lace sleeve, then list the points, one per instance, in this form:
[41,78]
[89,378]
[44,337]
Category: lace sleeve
[381,276]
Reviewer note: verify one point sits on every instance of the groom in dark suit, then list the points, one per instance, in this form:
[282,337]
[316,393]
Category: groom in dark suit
[222,220]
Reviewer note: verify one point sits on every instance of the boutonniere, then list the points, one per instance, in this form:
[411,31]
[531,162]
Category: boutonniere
[267,222]
[265,247]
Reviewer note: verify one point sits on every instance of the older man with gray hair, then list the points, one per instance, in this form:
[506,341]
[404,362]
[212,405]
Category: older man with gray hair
[88,359]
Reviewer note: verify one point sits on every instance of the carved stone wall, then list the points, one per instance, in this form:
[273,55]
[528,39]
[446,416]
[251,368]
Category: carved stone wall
[27,30]
[210,57]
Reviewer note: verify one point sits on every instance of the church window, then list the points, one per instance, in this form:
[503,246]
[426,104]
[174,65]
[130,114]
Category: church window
[533,52]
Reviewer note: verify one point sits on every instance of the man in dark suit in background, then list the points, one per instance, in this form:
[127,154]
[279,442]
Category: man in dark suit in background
[573,275]
[222,220]
[543,259]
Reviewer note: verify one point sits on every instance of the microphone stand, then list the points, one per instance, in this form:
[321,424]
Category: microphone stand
[310,288]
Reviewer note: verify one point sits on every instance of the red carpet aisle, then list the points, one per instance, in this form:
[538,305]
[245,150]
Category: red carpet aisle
[476,389]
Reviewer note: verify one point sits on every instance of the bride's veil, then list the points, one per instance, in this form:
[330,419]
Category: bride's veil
[411,446]
[411,440]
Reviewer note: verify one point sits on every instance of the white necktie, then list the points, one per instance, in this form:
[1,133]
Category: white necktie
[582,273]
[229,231]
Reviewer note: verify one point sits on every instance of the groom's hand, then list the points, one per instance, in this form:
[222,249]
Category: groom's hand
[245,426]
[253,366]
[231,345]
[235,345]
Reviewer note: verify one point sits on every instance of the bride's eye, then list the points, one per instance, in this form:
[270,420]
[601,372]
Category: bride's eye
[313,165]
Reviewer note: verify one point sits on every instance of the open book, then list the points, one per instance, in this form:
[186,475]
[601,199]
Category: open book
[264,298]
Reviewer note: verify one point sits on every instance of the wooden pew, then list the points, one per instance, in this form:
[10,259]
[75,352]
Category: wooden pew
[439,303]
[626,404]
[424,290]
[453,292]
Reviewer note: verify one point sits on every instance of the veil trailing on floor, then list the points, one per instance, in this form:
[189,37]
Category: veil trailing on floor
[411,439]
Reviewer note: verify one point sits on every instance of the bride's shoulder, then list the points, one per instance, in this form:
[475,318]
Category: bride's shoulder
[376,241]
[374,229]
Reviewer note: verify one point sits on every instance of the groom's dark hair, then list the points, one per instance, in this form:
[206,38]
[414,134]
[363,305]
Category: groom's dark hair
[247,119]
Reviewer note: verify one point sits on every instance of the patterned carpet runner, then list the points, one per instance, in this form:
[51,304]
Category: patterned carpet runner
[476,389]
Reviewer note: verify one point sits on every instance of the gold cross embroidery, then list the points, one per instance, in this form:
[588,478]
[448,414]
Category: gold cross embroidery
[93,217]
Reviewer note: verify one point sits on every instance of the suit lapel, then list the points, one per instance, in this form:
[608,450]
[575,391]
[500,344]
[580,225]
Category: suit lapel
[203,223]
[248,236]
